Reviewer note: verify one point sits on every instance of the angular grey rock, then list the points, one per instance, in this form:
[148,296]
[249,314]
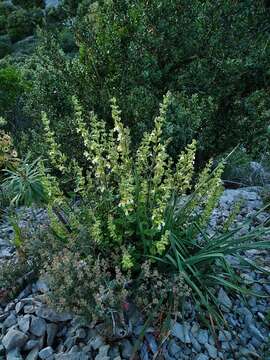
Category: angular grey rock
[174,349]
[248,317]
[31,344]
[255,342]
[212,351]
[38,326]
[51,333]
[201,357]
[10,321]
[14,355]
[226,346]
[51,3]
[126,349]
[224,300]
[14,339]
[74,356]
[19,306]
[80,333]
[202,337]
[224,336]
[29,309]
[195,344]
[96,342]
[74,349]
[256,332]
[30,301]
[103,353]
[33,354]
[181,332]
[24,323]
[252,301]
[46,353]
[151,342]
[70,342]
[26,292]
[3,317]
[50,315]
[267,288]
[41,286]
[144,352]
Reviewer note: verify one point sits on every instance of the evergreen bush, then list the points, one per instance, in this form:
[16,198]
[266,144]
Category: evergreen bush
[136,51]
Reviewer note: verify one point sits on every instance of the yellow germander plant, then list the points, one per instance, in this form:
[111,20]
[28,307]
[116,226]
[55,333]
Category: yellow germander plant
[138,206]
[131,194]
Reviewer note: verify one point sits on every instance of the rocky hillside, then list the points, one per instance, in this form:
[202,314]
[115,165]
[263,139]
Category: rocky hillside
[30,329]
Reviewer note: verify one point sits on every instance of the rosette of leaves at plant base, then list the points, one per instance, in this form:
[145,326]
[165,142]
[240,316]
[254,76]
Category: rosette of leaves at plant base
[136,206]
[25,184]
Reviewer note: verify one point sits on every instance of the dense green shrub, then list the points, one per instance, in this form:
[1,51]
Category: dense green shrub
[6,9]
[22,23]
[3,23]
[54,16]
[136,51]
[5,46]
[12,86]
[28,4]
[67,41]
[19,25]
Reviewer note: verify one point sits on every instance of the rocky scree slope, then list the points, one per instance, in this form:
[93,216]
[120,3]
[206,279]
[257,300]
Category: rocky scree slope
[30,330]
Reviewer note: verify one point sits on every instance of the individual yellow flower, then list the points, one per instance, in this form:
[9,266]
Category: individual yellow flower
[163,243]
[127,261]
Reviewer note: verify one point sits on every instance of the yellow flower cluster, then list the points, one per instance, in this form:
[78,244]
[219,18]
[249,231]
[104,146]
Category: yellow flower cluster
[96,231]
[127,261]
[163,243]
[57,158]
[213,190]
[133,199]
[185,169]
[116,236]
[153,168]
[124,169]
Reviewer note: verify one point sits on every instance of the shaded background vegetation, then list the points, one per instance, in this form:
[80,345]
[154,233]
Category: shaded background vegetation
[212,55]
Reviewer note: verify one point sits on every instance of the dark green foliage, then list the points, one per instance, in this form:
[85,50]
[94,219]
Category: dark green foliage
[213,57]
[5,10]
[12,86]
[5,45]
[67,41]
[28,4]
[19,25]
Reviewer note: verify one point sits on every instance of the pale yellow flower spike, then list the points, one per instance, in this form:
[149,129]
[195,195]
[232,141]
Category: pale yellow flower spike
[124,169]
[185,169]
[57,158]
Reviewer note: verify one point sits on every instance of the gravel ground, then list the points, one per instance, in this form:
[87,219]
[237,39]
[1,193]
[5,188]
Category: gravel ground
[30,330]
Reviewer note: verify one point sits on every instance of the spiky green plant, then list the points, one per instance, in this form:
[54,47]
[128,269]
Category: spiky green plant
[25,184]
